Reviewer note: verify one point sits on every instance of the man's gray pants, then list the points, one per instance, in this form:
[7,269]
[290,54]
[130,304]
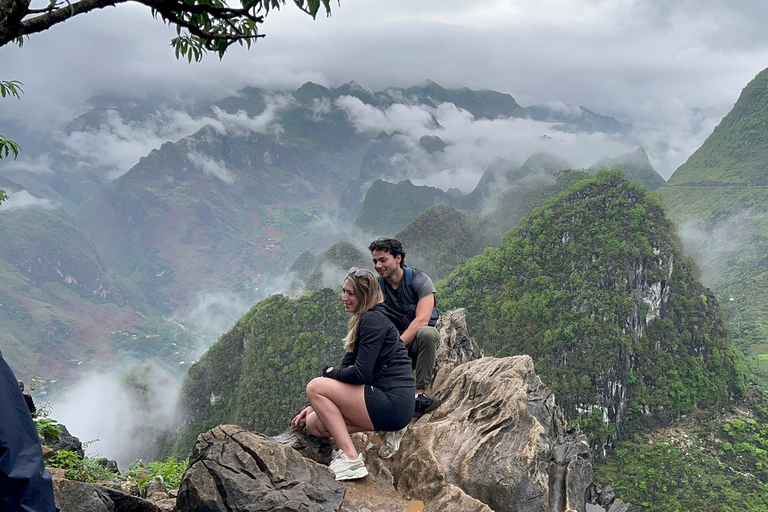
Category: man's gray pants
[422,351]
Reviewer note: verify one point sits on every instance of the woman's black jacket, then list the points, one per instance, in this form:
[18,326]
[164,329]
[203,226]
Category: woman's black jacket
[379,357]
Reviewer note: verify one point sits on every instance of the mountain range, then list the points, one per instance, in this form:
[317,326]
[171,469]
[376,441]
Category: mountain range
[218,216]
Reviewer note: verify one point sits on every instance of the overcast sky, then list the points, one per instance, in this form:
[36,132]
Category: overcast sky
[646,62]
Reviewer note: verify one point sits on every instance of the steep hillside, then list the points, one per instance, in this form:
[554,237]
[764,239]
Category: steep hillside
[443,237]
[719,199]
[213,212]
[636,166]
[736,152]
[331,267]
[594,286]
[501,176]
[61,308]
[255,374]
[388,207]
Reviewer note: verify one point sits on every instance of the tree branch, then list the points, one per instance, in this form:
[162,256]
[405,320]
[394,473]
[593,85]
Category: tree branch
[211,24]
[59,14]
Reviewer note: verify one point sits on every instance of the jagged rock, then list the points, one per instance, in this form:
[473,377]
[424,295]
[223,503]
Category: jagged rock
[456,346]
[453,499]
[498,437]
[232,469]
[368,494]
[158,496]
[56,472]
[606,498]
[66,441]
[108,464]
[166,505]
[311,447]
[72,496]
[127,502]
[155,485]
[131,488]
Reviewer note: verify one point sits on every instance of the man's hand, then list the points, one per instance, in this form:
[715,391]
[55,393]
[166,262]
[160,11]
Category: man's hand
[423,313]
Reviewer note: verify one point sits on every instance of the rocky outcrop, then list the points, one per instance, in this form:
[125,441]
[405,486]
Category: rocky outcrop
[456,346]
[234,470]
[498,442]
[64,441]
[72,496]
[498,437]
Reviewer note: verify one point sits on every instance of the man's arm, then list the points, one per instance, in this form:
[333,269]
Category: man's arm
[423,313]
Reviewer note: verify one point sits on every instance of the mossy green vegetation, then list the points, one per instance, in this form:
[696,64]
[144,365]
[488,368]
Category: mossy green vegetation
[736,152]
[726,231]
[705,462]
[594,286]
[668,476]
[443,237]
[341,257]
[256,373]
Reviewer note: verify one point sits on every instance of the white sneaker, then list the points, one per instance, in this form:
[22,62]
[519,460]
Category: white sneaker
[347,469]
[390,442]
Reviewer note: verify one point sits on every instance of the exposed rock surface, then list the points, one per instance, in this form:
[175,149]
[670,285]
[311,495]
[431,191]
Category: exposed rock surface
[72,496]
[234,470]
[65,441]
[498,437]
[456,346]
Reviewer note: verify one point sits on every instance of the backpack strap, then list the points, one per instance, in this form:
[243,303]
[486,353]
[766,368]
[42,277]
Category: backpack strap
[408,272]
[409,284]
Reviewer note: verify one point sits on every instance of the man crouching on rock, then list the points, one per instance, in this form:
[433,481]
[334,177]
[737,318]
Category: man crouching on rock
[373,387]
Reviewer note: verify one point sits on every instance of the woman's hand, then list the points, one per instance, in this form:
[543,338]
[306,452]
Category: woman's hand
[301,418]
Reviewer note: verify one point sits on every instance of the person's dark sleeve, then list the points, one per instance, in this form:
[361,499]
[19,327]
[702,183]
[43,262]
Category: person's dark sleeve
[370,338]
[25,484]
[349,359]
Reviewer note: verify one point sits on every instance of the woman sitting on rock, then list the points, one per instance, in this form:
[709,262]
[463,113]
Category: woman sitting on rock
[373,388]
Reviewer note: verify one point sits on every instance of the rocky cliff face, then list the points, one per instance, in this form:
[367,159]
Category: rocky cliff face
[595,287]
[497,442]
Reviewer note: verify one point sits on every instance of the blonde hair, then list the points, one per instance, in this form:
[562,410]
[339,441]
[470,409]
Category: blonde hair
[367,291]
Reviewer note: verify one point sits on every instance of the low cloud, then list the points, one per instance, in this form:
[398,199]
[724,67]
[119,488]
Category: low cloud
[116,145]
[23,199]
[473,143]
[40,165]
[714,248]
[208,165]
[122,410]
[212,315]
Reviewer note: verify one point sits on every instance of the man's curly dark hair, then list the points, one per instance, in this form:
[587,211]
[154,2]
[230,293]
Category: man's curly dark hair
[390,245]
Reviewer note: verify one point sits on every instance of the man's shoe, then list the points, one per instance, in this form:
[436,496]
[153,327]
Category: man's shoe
[390,442]
[425,404]
[347,469]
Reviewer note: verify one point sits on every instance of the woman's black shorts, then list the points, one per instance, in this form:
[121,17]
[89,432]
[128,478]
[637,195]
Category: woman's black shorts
[391,409]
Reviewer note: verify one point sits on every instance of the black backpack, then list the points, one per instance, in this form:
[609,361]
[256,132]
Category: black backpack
[403,320]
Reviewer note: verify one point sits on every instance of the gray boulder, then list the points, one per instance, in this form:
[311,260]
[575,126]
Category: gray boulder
[233,470]
[73,496]
[65,441]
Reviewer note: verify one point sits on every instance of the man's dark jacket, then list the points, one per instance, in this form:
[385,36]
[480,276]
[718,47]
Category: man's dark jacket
[25,485]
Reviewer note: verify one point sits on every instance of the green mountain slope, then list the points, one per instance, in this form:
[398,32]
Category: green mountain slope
[388,207]
[596,289]
[255,374]
[214,212]
[736,152]
[636,166]
[443,237]
[331,267]
[719,199]
[61,308]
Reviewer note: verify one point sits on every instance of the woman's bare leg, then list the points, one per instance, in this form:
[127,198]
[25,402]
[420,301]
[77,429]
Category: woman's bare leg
[339,407]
